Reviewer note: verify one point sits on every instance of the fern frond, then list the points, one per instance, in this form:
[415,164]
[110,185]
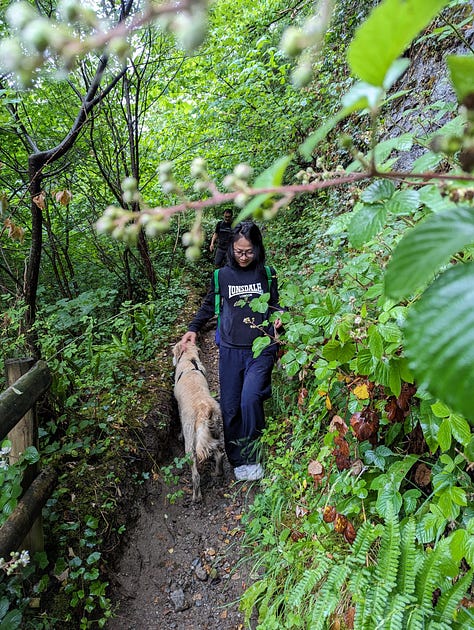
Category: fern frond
[464,619]
[408,555]
[389,554]
[449,600]
[307,583]
[251,596]
[329,596]
[366,536]
[395,611]
[431,574]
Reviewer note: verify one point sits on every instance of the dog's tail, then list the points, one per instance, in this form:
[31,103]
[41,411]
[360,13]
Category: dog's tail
[207,417]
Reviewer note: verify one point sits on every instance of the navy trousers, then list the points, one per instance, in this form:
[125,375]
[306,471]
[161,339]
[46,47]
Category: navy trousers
[245,383]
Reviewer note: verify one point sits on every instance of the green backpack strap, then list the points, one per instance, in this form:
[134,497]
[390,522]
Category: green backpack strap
[217,294]
[269,276]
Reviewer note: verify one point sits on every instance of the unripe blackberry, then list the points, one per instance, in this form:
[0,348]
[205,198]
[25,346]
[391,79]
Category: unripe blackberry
[191,29]
[193,253]
[198,168]
[229,181]
[70,10]
[243,171]
[187,239]
[292,42]
[104,225]
[38,34]
[241,200]
[19,14]
[302,75]
[10,54]
[119,47]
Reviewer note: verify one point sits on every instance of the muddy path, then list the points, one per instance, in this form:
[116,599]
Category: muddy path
[181,566]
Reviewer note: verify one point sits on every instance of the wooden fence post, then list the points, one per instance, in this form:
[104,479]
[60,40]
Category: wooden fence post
[24,434]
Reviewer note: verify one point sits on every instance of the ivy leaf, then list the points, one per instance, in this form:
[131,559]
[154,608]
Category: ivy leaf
[439,335]
[366,223]
[272,176]
[425,248]
[461,68]
[386,33]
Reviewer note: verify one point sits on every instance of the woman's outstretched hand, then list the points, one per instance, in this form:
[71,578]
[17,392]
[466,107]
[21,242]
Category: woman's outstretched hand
[189,337]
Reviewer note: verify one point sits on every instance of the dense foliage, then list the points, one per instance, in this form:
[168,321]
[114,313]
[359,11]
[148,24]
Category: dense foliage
[365,520]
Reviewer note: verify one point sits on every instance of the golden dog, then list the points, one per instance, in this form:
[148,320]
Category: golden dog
[198,411]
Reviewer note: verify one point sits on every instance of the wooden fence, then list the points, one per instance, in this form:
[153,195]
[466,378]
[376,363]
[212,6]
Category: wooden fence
[28,381]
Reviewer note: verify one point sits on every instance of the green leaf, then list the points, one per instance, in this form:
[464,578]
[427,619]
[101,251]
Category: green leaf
[404,202]
[444,435]
[259,344]
[272,176]
[375,342]
[469,450]
[335,351]
[439,335]
[461,68]
[11,621]
[380,190]
[387,32]
[460,429]
[366,223]
[425,248]
[429,425]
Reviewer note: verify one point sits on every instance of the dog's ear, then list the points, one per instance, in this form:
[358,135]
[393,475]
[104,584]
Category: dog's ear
[177,352]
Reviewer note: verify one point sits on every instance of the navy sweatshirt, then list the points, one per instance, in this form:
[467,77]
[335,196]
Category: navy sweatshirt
[236,284]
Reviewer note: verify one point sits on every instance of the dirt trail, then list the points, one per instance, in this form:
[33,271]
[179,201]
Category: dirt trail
[182,564]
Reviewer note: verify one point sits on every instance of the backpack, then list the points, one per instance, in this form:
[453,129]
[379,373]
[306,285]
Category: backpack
[217,299]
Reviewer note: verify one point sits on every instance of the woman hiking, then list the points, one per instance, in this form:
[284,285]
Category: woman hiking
[245,380]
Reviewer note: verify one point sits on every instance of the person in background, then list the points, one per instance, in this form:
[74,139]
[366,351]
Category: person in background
[221,236]
[245,380]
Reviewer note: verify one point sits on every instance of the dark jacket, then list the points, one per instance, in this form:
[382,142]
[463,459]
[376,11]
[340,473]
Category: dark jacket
[238,284]
[224,233]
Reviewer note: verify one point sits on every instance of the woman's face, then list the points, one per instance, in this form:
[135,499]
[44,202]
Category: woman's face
[243,251]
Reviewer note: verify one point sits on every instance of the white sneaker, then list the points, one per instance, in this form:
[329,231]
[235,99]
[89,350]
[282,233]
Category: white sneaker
[240,473]
[254,472]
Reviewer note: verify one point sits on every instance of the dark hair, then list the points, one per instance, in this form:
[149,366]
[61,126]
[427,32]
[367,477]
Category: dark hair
[250,231]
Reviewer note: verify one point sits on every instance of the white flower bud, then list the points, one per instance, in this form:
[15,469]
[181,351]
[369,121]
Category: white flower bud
[198,167]
[38,33]
[243,171]
[10,55]
[129,183]
[302,75]
[19,14]
[241,200]
[190,29]
[229,181]
[193,253]
[187,239]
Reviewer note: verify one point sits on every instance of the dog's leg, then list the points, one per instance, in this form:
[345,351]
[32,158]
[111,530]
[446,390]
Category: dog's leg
[197,496]
[219,468]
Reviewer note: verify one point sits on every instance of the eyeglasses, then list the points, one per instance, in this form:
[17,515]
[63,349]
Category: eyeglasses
[240,253]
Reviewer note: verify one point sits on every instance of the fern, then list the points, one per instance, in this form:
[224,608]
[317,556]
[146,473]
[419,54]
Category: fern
[432,574]
[449,600]
[408,555]
[386,570]
[328,597]
[307,583]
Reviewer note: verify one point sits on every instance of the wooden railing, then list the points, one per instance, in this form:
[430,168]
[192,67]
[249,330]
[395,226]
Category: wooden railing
[28,381]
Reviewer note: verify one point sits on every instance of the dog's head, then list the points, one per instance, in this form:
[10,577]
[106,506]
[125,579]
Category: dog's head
[190,352]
